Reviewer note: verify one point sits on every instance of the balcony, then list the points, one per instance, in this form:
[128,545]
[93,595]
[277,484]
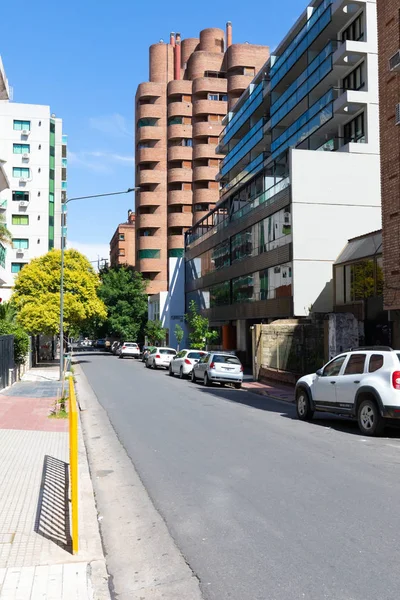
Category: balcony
[199,214]
[205,173]
[179,131]
[179,87]
[150,176]
[210,107]
[151,265]
[149,89]
[243,148]
[148,199]
[149,221]
[180,175]
[149,133]
[238,83]
[349,53]
[176,241]
[205,196]
[180,109]
[148,242]
[349,102]
[149,111]
[205,151]
[240,117]
[209,84]
[180,153]
[180,197]
[205,129]
[183,219]
[144,155]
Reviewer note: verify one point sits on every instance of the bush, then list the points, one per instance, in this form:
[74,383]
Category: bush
[21,340]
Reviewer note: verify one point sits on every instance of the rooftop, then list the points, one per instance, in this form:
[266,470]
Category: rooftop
[363,246]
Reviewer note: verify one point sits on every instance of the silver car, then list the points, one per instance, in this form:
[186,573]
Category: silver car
[182,363]
[218,367]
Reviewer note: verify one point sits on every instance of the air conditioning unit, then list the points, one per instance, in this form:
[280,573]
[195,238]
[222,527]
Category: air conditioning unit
[25,156]
[394,62]
[25,131]
[23,179]
[23,204]
[286,218]
[20,253]
[397,114]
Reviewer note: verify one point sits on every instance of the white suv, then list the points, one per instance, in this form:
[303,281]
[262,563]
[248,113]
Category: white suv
[363,383]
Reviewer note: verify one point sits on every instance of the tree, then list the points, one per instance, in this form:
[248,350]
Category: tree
[37,293]
[200,334]
[155,332]
[9,326]
[5,235]
[123,291]
[179,333]
[7,312]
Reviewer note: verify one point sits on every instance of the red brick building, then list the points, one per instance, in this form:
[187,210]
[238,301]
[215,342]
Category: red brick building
[122,245]
[389,90]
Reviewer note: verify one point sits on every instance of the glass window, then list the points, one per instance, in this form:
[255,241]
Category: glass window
[122,237]
[20,219]
[379,276]
[243,288]
[355,365]
[220,294]
[212,96]
[355,31]
[375,363]
[20,125]
[2,256]
[21,148]
[20,243]
[355,130]
[175,121]
[187,142]
[21,172]
[176,253]
[147,122]
[356,79]
[219,257]
[121,252]
[195,355]
[226,359]
[242,245]
[149,253]
[16,267]
[19,196]
[360,281]
[167,351]
[333,368]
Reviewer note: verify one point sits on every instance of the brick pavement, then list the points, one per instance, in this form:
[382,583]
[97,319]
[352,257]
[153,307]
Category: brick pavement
[35,541]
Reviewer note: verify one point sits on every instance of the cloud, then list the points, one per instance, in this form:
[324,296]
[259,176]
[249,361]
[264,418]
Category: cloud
[115,125]
[92,251]
[99,162]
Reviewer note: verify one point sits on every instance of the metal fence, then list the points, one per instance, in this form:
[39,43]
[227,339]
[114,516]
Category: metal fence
[6,359]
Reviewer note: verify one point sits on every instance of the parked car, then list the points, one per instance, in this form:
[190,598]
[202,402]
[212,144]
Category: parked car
[114,347]
[363,383]
[146,351]
[100,343]
[160,357]
[218,367]
[128,349]
[182,363]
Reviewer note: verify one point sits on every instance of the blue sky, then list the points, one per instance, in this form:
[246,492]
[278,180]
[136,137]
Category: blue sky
[85,58]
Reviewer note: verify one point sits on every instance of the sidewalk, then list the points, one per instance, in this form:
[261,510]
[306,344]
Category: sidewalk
[35,540]
[270,390]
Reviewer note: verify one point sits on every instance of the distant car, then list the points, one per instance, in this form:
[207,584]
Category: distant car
[114,347]
[129,349]
[100,344]
[218,367]
[146,351]
[182,363]
[160,357]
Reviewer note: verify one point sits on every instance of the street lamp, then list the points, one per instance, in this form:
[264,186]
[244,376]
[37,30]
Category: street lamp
[64,212]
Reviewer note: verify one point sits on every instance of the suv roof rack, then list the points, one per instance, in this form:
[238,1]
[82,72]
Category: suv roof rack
[381,348]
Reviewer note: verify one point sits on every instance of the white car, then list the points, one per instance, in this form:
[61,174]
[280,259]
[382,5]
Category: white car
[128,349]
[218,367]
[182,363]
[160,357]
[363,383]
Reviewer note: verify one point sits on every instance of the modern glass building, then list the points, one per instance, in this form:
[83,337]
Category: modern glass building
[300,176]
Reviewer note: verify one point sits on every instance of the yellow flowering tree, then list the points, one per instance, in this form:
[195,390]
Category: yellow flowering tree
[37,293]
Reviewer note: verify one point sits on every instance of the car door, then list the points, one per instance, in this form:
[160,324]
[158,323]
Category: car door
[348,383]
[324,385]
[202,366]
[177,361]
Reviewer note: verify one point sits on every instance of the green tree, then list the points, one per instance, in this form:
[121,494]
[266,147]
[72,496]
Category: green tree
[36,294]
[5,235]
[123,291]
[179,333]
[155,332]
[200,334]
[8,312]
[9,326]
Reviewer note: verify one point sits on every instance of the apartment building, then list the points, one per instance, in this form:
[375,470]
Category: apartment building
[122,244]
[192,84]
[300,176]
[33,151]
[389,82]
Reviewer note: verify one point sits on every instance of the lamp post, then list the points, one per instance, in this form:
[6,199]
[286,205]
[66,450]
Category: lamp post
[64,212]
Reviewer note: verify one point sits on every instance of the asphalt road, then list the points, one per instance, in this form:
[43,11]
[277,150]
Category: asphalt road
[262,506]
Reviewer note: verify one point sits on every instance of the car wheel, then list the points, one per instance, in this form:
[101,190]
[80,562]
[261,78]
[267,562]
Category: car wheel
[154,366]
[207,381]
[193,377]
[120,356]
[303,406]
[181,375]
[170,371]
[238,385]
[369,418]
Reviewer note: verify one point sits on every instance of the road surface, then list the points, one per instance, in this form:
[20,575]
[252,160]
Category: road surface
[261,505]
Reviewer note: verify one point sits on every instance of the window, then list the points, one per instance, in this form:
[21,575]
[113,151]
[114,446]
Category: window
[333,368]
[21,172]
[355,31]
[16,267]
[195,355]
[375,363]
[355,131]
[121,237]
[147,122]
[175,253]
[21,148]
[355,79]
[149,253]
[229,360]
[220,294]
[2,256]
[187,142]
[243,289]
[175,121]
[218,97]
[19,196]
[20,243]
[20,219]
[355,365]
[121,252]
[20,125]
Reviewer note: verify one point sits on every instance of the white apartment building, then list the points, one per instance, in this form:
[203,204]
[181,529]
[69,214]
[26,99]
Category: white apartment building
[32,182]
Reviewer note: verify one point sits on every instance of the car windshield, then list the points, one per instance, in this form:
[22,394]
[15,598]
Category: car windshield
[222,358]
[195,355]
[167,351]
[130,345]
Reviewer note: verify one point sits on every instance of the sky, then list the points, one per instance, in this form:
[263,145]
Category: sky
[85,58]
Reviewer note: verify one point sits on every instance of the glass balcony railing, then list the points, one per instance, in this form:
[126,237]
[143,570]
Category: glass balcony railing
[317,22]
[249,171]
[251,139]
[252,102]
[306,125]
[267,197]
[317,70]
[3,204]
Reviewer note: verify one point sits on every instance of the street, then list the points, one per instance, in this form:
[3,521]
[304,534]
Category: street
[261,505]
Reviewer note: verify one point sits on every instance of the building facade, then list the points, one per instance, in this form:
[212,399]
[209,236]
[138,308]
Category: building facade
[34,153]
[389,82]
[122,244]
[299,178]
[178,115]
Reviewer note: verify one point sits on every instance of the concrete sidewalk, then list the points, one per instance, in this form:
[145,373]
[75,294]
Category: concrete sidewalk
[35,540]
[270,390]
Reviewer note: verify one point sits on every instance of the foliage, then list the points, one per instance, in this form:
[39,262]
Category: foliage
[37,293]
[179,333]
[123,291]
[21,340]
[5,234]
[365,282]
[200,334]
[155,332]
[7,312]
